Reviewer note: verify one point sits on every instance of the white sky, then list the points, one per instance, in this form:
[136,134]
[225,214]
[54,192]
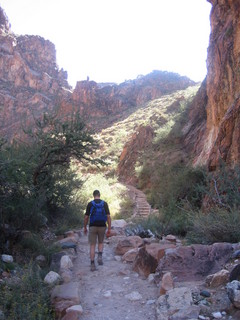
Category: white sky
[116,40]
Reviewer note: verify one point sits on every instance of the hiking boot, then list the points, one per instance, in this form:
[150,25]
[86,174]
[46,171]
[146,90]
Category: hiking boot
[100,262]
[93,267]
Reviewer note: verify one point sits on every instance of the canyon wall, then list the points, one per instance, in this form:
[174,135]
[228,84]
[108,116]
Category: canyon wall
[217,130]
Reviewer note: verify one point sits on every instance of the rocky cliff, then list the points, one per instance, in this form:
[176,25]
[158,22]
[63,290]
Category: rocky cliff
[31,83]
[218,127]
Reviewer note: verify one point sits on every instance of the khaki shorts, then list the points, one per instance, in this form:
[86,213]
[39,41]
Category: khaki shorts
[96,233]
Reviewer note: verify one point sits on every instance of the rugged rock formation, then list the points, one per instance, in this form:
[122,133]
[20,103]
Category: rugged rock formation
[31,84]
[221,102]
[30,81]
[103,105]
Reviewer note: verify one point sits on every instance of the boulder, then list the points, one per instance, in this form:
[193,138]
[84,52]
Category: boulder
[166,283]
[73,313]
[128,243]
[217,279]
[235,273]
[52,278]
[194,262]
[233,290]
[176,304]
[120,223]
[148,257]
[66,263]
[130,255]
[71,239]
[64,296]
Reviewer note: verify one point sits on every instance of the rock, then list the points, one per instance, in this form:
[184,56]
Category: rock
[133,296]
[148,257]
[120,223]
[41,260]
[233,290]
[217,315]
[176,303]
[194,262]
[166,283]
[72,239]
[69,234]
[118,258]
[107,294]
[68,291]
[130,255]
[64,296]
[151,278]
[171,238]
[236,254]
[69,245]
[128,243]
[66,275]
[66,263]
[235,273]
[55,262]
[205,293]
[52,278]
[73,313]
[7,258]
[217,279]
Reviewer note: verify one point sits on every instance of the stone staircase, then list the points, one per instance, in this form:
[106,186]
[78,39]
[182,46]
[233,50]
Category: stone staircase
[142,208]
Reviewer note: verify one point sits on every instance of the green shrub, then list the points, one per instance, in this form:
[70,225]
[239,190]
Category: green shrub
[27,298]
[218,225]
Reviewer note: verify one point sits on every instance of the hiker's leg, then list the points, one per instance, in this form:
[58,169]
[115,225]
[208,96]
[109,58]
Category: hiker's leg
[92,238]
[92,251]
[101,234]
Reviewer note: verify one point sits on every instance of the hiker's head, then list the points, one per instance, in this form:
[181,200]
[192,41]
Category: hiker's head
[96,194]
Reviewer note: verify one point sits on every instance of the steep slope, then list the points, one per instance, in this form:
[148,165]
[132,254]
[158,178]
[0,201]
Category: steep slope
[218,104]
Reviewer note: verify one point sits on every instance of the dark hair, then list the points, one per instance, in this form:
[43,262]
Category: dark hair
[96,193]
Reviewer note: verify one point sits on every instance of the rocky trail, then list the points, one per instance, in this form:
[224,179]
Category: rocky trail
[114,291]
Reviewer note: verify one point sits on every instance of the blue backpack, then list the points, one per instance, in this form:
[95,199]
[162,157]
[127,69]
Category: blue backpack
[97,212]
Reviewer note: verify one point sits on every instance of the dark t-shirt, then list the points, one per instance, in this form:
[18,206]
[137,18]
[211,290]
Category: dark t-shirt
[97,223]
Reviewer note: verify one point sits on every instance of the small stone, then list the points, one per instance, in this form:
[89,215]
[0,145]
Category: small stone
[201,317]
[118,258]
[107,294]
[6,258]
[149,302]
[41,260]
[217,315]
[52,278]
[167,283]
[76,308]
[133,296]
[150,278]
[205,293]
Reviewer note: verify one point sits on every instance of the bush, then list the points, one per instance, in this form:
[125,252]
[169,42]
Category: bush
[27,298]
[217,225]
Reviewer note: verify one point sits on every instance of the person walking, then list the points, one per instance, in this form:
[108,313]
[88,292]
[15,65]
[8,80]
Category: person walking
[99,214]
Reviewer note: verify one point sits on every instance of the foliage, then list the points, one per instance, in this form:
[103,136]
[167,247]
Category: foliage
[27,298]
[217,225]
[37,179]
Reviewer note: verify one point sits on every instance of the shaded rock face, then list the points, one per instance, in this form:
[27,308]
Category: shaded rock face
[195,262]
[140,141]
[222,104]
[104,105]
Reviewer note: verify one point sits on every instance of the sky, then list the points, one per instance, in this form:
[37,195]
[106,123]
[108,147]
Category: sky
[117,40]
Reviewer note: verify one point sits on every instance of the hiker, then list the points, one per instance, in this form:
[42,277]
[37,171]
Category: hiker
[99,214]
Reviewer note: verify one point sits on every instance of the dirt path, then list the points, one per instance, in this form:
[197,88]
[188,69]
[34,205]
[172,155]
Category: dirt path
[112,292]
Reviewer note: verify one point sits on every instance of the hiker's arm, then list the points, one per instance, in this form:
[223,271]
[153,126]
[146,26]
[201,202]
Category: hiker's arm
[109,225]
[85,223]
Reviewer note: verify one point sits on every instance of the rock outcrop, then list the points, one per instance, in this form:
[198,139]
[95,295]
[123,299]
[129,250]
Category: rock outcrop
[220,102]
[31,84]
